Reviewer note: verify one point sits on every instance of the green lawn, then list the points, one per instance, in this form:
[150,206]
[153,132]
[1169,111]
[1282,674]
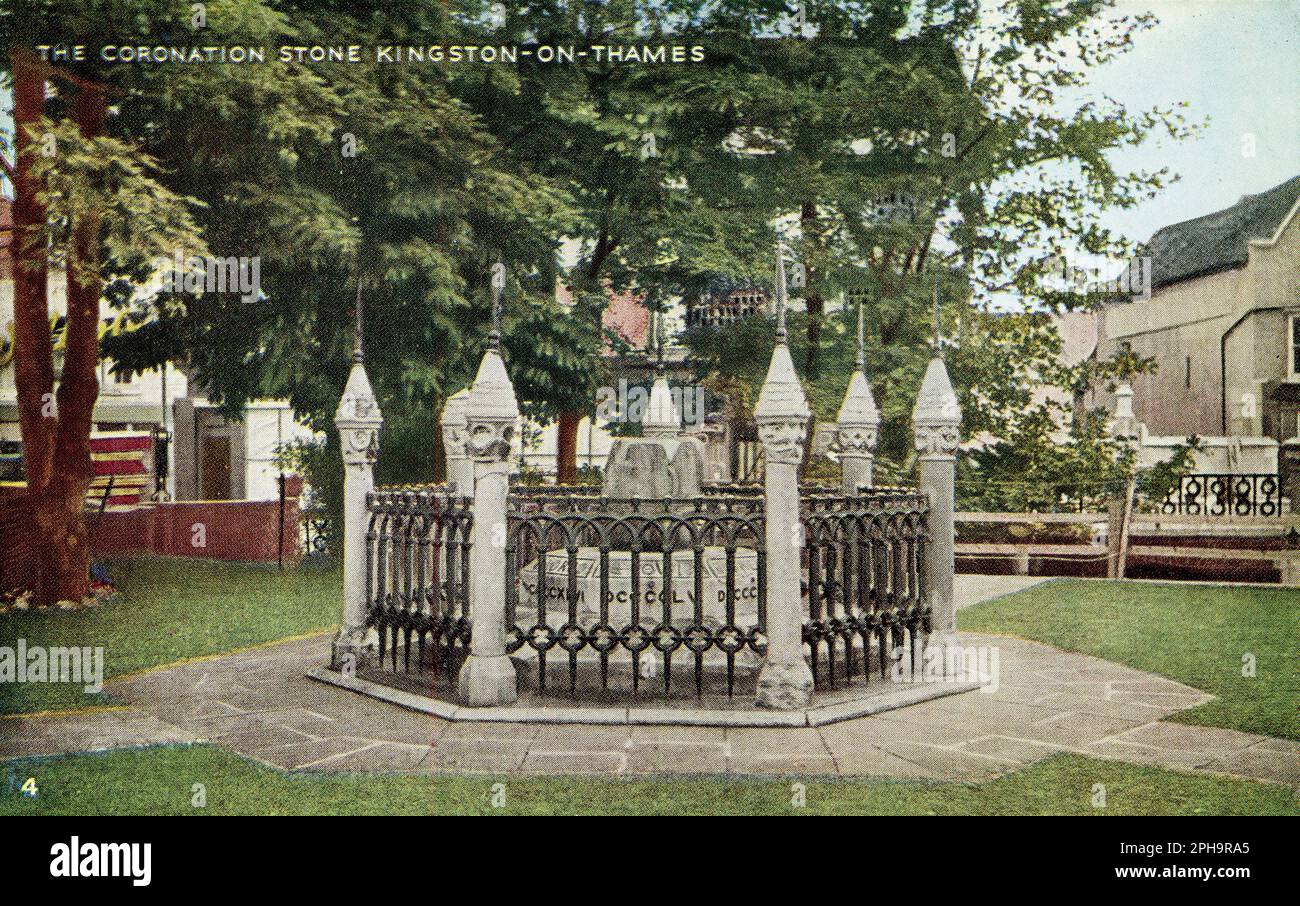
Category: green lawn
[1196,634]
[168,609]
[161,781]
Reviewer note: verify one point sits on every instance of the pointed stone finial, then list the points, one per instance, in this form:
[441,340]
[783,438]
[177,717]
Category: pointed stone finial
[858,411]
[858,423]
[498,292]
[780,294]
[358,417]
[492,410]
[937,349]
[661,418]
[782,412]
[936,420]
[358,349]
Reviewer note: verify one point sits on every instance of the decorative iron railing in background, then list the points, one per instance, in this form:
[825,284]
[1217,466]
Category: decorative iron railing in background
[417,571]
[315,530]
[864,562]
[1224,495]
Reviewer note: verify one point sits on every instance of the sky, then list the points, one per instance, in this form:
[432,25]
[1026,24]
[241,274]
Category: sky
[1236,62]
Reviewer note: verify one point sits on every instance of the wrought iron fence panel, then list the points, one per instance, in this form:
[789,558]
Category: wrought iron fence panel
[631,541]
[417,577]
[1215,495]
[864,561]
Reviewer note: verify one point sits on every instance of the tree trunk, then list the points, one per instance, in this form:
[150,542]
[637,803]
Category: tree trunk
[33,357]
[566,432]
[566,448]
[814,304]
[60,504]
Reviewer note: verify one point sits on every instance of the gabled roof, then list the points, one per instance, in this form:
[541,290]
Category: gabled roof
[1218,242]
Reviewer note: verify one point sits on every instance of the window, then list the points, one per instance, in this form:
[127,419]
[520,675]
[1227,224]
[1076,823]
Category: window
[1293,349]
[1187,372]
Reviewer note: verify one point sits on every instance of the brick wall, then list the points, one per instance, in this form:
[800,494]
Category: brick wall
[245,530]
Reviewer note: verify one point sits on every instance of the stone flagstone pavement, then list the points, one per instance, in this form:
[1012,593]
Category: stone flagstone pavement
[260,704]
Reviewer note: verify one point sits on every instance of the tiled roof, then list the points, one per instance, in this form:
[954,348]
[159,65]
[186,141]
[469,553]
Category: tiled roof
[1218,242]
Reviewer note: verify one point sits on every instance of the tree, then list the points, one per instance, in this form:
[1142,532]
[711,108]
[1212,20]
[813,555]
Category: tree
[79,194]
[628,143]
[347,173]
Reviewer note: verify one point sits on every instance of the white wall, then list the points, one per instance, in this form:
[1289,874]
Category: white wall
[267,424]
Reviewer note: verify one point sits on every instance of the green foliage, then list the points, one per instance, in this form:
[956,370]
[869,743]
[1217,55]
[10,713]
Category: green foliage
[1154,484]
[1039,467]
[665,175]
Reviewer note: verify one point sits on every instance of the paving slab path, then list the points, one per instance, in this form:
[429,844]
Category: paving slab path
[260,704]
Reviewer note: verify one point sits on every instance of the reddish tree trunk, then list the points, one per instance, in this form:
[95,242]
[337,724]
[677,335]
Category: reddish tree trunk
[566,448]
[33,357]
[59,499]
[566,432]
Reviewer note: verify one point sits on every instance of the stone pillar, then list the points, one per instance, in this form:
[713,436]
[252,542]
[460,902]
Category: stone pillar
[858,426]
[936,426]
[455,437]
[1288,469]
[784,681]
[488,676]
[1127,433]
[358,420]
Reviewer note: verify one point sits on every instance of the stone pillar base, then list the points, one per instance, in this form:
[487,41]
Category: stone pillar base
[937,645]
[488,680]
[350,641]
[784,687]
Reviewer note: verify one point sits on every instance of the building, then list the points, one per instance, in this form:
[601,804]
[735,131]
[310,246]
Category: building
[195,453]
[1222,323]
[726,303]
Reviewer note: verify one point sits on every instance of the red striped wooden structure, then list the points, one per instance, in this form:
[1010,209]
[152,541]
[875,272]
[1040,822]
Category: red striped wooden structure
[125,458]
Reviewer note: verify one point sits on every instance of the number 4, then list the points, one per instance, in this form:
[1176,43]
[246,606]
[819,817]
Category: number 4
[29,787]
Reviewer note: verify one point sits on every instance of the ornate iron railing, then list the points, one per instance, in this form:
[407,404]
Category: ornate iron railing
[417,571]
[315,529]
[865,568]
[607,595]
[1224,495]
[665,575]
